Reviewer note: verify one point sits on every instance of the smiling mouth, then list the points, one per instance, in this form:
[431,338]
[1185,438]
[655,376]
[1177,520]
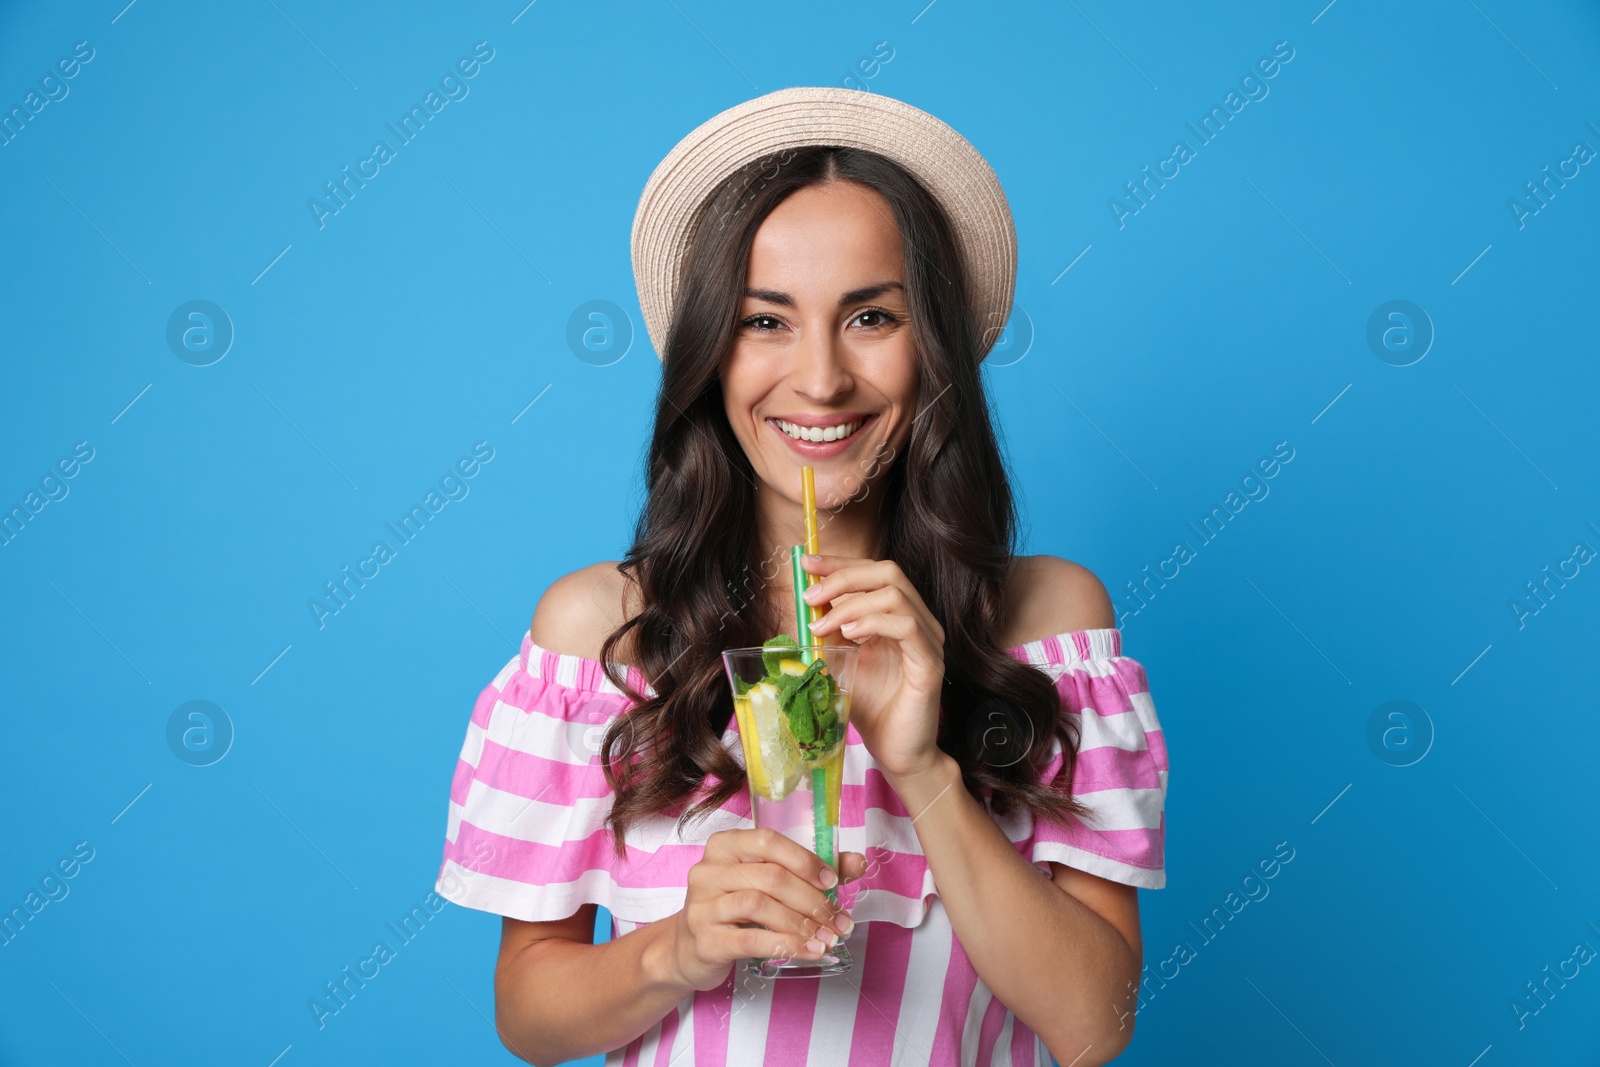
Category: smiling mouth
[819,434]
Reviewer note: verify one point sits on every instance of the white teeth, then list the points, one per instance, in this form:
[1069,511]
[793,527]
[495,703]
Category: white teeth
[817,433]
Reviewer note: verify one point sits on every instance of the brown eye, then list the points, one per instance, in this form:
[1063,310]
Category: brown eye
[762,323]
[872,318]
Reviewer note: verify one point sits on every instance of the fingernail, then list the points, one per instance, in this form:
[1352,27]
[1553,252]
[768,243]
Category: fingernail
[845,924]
[829,878]
[808,558]
[815,947]
[829,936]
[811,594]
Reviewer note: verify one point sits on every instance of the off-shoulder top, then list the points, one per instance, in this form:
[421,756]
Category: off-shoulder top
[525,838]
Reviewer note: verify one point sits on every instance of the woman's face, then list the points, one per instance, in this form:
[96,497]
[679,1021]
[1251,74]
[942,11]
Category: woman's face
[823,345]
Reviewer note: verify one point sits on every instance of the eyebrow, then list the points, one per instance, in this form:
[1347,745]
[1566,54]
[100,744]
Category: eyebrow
[773,296]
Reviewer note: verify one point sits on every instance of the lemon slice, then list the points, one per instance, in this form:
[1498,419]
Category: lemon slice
[833,762]
[792,666]
[772,756]
[835,776]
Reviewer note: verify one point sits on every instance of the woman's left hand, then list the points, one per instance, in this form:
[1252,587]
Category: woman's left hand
[899,673]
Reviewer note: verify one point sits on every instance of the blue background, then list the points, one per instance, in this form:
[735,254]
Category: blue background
[1135,389]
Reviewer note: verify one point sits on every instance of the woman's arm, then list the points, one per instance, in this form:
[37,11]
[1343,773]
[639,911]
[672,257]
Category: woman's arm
[753,893]
[560,997]
[1061,964]
[1062,952]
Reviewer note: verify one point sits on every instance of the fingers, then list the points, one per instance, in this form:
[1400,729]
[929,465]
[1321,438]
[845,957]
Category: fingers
[859,619]
[844,574]
[768,845]
[752,905]
[852,865]
[743,884]
[758,894]
[884,601]
[866,585]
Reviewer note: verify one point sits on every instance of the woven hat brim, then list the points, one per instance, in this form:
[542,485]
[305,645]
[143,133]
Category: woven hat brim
[946,164]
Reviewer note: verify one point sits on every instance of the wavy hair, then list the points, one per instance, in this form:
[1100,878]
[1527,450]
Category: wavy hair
[946,511]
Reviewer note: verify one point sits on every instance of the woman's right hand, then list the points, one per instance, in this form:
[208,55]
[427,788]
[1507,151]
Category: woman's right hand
[748,879]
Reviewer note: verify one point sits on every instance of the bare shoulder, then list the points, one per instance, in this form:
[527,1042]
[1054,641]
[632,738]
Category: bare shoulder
[1048,595]
[580,610]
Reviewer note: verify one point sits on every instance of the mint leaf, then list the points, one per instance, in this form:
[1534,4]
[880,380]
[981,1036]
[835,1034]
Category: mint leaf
[771,659]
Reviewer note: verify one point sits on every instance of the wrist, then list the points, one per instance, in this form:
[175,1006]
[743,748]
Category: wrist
[920,786]
[658,961]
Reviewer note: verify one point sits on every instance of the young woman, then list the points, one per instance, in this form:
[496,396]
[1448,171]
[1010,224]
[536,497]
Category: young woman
[1005,773]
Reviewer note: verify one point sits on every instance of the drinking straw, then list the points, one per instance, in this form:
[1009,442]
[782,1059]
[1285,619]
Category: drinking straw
[804,615]
[802,621]
[808,494]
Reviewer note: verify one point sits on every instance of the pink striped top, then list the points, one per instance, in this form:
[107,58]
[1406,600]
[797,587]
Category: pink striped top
[525,839]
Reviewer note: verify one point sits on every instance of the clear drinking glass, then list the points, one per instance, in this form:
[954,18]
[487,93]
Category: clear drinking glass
[793,707]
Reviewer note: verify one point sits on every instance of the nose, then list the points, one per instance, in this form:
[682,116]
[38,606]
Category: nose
[821,370]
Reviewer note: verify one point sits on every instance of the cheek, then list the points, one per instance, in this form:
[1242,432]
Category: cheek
[740,392]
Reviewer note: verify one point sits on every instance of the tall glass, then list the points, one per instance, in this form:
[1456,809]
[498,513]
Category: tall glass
[793,708]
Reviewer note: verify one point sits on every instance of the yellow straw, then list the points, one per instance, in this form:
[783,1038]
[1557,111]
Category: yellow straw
[808,493]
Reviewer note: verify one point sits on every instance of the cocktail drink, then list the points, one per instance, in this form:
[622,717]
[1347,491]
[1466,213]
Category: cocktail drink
[792,704]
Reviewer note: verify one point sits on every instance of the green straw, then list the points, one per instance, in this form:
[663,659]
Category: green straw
[822,831]
[802,610]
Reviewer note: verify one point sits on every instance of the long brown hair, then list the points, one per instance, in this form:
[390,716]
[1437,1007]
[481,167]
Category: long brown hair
[946,514]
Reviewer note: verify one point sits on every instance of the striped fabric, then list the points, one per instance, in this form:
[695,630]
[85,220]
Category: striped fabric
[525,839]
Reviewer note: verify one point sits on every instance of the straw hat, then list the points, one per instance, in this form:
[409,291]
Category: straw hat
[937,156]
